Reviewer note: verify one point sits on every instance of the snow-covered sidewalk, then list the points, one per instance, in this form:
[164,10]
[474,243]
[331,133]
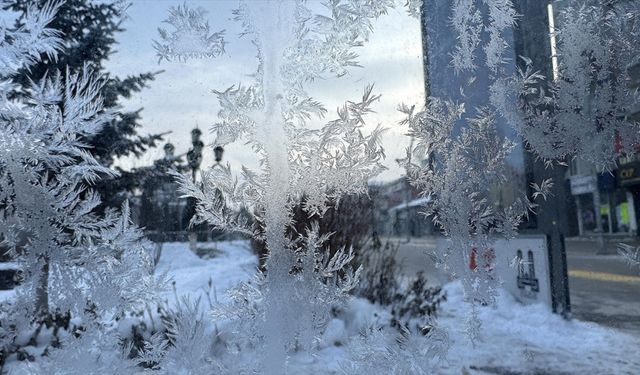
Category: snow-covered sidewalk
[532,340]
[516,339]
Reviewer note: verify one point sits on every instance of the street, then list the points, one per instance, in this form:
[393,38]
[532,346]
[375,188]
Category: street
[603,288]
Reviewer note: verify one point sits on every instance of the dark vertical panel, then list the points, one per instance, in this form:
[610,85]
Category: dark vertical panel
[531,39]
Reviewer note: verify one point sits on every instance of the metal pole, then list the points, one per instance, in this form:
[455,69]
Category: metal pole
[599,231]
[425,50]
[532,39]
[579,214]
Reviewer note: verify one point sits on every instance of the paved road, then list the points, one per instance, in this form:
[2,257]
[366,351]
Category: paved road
[413,258]
[603,288]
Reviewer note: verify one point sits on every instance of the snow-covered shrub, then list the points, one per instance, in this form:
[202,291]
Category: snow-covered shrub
[412,303]
[73,261]
[379,278]
[415,305]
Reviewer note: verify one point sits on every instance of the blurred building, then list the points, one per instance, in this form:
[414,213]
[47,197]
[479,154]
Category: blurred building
[628,172]
[585,201]
[634,75]
[399,210]
[605,201]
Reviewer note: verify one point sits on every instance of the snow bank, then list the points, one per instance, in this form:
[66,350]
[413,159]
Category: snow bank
[530,339]
[234,262]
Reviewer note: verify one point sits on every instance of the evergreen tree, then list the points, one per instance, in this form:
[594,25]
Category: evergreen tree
[89,29]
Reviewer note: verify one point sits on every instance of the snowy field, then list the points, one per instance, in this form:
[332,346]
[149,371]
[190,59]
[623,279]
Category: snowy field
[516,339]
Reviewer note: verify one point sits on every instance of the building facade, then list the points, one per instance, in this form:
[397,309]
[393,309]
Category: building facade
[531,37]
[399,210]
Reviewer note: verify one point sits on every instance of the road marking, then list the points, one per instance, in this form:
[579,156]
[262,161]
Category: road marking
[604,276]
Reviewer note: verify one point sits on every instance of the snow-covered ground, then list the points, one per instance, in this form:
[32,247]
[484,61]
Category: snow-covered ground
[516,339]
[229,263]
[532,340]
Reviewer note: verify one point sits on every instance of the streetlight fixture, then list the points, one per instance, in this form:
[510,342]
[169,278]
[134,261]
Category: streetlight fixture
[218,151]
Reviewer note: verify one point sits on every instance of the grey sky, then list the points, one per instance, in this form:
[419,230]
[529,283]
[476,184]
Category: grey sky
[181,97]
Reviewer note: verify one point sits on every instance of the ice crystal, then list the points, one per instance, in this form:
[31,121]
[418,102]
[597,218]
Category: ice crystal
[502,18]
[94,351]
[191,37]
[467,21]
[23,46]
[414,7]
[470,19]
[378,351]
[294,47]
[73,260]
[630,254]
[189,346]
[581,113]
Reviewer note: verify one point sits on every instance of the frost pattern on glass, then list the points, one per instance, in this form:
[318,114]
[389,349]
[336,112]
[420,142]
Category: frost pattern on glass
[630,254]
[414,8]
[467,22]
[23,46]
[470,19]
[73,260]
[375,351]
[294,47]
[580,114]
[191,37]
[460,174]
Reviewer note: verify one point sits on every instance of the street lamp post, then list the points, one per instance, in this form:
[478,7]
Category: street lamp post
[218,151]
[194,159]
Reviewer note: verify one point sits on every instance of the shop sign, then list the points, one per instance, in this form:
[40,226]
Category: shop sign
[521,264]
[629,174]
[582,184]
[626,159]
